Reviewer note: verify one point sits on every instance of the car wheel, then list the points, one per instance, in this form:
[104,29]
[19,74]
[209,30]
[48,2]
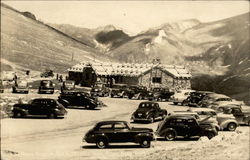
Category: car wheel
[231,126]
[101,143]
[17,115]
[175,103]
[170,135]
[209,135]
[112,95]
[145,143]
[52,115]
[248,123]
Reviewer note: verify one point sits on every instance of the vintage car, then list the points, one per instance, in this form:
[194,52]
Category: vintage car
[78,99]
[1,86]
[183,126]
[46,86]
[137,92]
[118,90]
[160,94]
[100,89]
[107,132]
[148,111]
[195,98]
[68,86]
[47,73]
[180,96]
[200,118]
[225,122]
[219,106]
[242,115]
[20,86]
[39,107]
[212,98]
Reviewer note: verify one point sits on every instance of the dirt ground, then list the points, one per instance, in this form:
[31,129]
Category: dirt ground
[54,139]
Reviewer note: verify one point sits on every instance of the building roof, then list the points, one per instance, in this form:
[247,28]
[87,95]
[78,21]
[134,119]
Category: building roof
[131,69]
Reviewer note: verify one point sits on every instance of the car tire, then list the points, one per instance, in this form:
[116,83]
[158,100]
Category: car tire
[52,116]
[170,135]
[209,135]
[18,115]
[175,103]
[145,143]
[231,126]
[101,143]
[248,123]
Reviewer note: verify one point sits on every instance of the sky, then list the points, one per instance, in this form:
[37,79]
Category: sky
[131,16]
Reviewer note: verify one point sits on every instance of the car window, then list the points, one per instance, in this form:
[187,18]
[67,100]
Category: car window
[191,122]
[120,126]
[36,101]
[236,110]
[105,127]
[180,122]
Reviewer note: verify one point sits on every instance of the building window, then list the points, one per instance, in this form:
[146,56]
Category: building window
[156,80]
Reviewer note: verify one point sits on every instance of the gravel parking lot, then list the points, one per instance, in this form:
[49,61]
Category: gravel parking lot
[42,138]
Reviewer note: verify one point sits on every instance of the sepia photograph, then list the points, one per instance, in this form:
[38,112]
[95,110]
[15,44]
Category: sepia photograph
[125,80]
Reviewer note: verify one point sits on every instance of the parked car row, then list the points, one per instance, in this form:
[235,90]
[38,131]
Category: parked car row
[194,122]
[131,92]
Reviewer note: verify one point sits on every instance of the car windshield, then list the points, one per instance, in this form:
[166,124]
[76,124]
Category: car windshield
[46,82]
[98,85]
[22,83]
[69,83]
[156,89]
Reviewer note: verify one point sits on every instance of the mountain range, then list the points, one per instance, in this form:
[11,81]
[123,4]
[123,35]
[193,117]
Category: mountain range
[217,53]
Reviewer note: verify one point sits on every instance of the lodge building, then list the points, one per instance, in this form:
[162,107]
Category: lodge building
[149,75]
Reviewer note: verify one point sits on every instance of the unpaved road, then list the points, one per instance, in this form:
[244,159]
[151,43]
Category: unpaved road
[52,139]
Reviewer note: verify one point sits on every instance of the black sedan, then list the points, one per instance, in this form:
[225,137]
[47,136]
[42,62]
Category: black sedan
[106,132]
[148,111]
[81,99]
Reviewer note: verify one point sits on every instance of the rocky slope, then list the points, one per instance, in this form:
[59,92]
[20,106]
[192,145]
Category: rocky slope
[32,45]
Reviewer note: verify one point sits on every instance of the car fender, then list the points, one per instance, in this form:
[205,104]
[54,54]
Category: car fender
[101,135]
[63,101]
[163,132]
[224,124]
[141,136]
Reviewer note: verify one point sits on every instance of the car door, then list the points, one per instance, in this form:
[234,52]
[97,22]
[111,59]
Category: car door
[181,127]
[193,127]
[36,106]
[158,111]
[107,130]
[122,133]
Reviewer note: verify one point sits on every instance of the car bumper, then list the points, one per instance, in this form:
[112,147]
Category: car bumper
[46,90]
[140,119]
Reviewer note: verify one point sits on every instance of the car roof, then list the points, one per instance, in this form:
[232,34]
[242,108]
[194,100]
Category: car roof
[149,102]
[218,96]
[44,99]
[111,122]
[181,117]
[184,113]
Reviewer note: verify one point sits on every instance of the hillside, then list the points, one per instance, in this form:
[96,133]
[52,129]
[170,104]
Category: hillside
[31,45]
[217,53]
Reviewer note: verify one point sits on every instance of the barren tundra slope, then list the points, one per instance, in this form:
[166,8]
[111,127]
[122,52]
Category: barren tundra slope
[32,45]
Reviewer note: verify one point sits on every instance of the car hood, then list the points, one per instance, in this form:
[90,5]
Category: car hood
[141,129]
